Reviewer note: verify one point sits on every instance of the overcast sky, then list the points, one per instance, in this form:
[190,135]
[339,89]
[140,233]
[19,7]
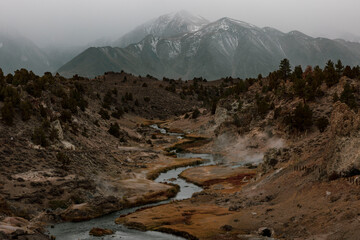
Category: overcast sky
[77,22]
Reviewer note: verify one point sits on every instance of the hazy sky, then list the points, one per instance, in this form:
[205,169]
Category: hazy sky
[77,22]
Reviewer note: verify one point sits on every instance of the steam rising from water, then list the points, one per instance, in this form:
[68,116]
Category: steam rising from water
[239,150]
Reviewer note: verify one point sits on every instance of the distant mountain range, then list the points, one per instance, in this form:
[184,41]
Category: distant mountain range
[181,45]
[18,52]
[185,46]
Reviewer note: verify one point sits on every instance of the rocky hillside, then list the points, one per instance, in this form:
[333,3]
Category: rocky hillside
[76,149]
[70,141]
[301,131]
[226,47]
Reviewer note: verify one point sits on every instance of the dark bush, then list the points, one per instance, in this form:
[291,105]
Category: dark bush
[9,93]
[331,76]
[7,113]
[114,130]
[195,113]
[53,134]
[348,97]
[301,119]
[108,100]
[263,105]
[236,121]
[63,159]
[118,113]
[66,116]
[104,114]
[39,137]
[322,123]
[25,110]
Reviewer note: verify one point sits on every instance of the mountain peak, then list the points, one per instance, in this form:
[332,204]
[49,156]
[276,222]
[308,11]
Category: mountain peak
[227,20]
[167,25]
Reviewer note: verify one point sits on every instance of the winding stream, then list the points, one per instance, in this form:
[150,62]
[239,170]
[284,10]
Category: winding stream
[80,230]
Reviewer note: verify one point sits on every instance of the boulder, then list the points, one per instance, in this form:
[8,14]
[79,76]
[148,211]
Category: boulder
[97,207]
[57,126]
[99,232]
[67,145]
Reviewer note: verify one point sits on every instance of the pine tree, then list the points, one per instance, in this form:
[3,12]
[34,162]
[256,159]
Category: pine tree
[348,97]
[285,68]
[298,72]
[331,76]
[339,68]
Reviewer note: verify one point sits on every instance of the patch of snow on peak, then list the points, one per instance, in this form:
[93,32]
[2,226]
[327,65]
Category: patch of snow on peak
[140,46]
[227,20]
[153,43]
[227,43]
[175,48]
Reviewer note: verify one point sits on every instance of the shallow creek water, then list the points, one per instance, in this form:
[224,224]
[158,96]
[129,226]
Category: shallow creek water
[80,230]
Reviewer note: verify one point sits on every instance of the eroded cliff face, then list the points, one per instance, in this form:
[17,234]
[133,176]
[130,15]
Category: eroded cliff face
[344,143]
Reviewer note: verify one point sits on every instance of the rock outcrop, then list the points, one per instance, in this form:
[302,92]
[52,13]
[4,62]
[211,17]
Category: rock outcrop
[99,206]
[344,127]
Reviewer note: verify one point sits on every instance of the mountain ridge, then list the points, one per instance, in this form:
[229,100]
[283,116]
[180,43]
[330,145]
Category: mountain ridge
[226,47]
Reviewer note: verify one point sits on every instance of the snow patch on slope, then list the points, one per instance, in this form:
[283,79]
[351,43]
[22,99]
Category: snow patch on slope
[175,48]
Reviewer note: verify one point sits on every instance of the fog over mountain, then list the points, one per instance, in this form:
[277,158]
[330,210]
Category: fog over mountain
[44,35]
[66,22]
[182,45]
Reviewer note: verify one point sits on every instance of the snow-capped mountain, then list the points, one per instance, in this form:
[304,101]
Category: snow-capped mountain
[226,47]
[164,26]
